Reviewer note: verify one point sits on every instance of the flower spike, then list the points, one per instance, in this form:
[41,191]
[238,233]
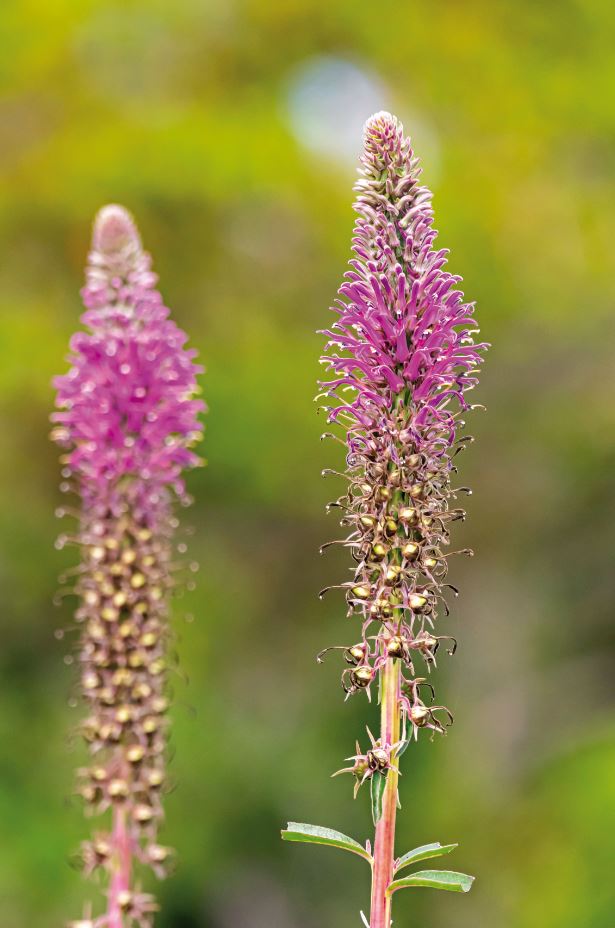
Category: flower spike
[127,419]
[401,358]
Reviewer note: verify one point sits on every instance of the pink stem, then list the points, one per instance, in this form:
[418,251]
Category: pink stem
[384,844]
[122,865]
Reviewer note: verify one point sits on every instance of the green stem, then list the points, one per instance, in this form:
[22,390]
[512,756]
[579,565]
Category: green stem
[384,844]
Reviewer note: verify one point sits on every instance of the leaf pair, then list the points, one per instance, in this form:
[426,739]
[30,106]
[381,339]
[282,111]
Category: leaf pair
[435,879]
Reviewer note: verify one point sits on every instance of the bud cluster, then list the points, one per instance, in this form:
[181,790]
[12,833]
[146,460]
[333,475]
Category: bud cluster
[127,419]
[403,349]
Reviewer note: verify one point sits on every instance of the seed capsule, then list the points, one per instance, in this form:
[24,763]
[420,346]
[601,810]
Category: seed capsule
[395,477]
[137,581]
[419,715]
[410,550]
[118,789]
[157,854]
[417,602]
[383,494]
[143,813]
[127,629]
[88,793]
[107,695]
[155,778]
[122,677]
[110,732]
[390,527]
[150,725]
[396,647]
[124,899]
[378,759]
[135,754]
[361,592]
[378,551]
[96,630]
[413,460]
[362,676]
[101,848]
[381,607]
[142,691]
[360,767]
[90,680]
[408,515]
[355,654]
[430,562]
[123,715]
[393,573]
[417,491]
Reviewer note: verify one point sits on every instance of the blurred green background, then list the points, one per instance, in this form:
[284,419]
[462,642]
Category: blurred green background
[231,129]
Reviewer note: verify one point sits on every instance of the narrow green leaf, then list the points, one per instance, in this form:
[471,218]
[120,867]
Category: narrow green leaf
[377,788]
[315,834]
[434,879]
[423,853]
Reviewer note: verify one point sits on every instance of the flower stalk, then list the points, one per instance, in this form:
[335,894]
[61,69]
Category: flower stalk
[384,844]
[127,419]
[403,357]
[121,867]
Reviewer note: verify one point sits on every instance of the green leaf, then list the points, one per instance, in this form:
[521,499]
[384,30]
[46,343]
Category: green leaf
[377,788]
[423,853]
[315,834]
[434,879]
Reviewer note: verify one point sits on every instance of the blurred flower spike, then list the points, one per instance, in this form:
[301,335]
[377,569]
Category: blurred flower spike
[403,357]
[128,420]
